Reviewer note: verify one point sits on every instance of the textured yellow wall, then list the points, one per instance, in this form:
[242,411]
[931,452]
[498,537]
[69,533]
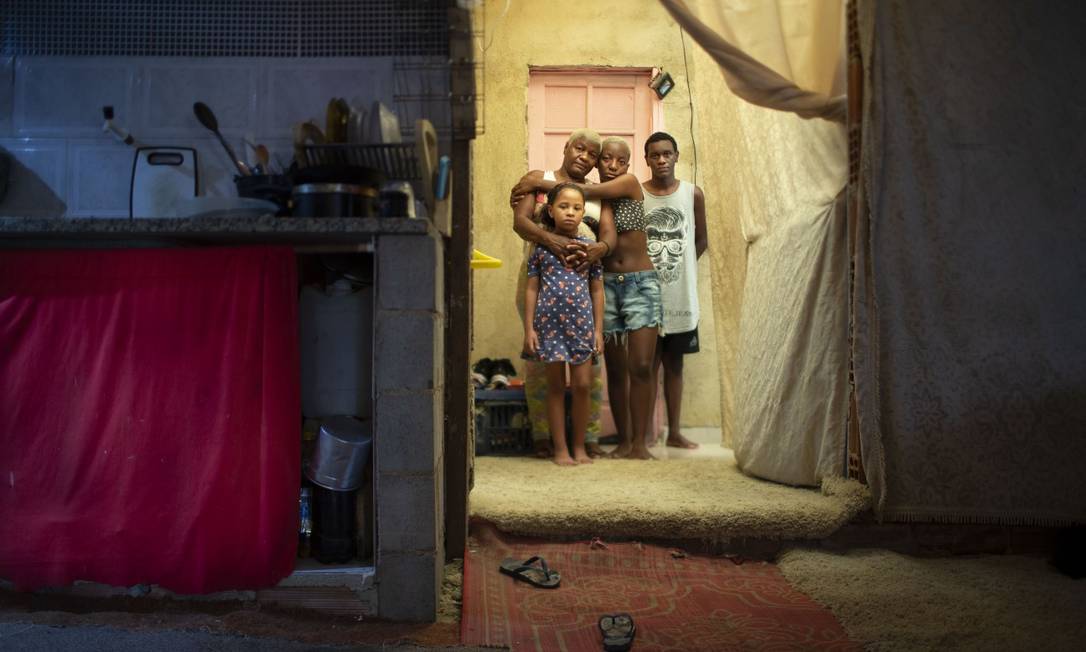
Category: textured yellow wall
[606,34]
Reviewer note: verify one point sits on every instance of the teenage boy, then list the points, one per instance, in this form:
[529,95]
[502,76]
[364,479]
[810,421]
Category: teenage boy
[676,232]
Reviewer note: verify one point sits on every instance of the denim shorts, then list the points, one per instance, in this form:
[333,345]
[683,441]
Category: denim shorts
[632,301]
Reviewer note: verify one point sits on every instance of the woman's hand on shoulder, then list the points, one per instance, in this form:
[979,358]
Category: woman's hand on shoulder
[528,185]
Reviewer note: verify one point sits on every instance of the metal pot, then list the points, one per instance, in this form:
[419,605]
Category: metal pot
[341,455]
[334,200]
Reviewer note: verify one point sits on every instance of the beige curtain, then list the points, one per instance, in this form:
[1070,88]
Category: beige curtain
[970,326]
[784,177]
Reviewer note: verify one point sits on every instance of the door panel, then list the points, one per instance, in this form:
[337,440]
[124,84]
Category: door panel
[616,103]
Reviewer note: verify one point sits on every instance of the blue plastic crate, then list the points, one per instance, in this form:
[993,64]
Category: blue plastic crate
[501,422]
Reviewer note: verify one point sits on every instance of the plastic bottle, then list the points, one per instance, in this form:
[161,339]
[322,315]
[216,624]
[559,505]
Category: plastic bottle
[305,526]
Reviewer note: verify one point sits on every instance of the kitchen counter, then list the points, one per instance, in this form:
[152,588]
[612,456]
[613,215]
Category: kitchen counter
[46,232]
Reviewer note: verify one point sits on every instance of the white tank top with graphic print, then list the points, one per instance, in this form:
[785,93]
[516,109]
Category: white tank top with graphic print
[674,254]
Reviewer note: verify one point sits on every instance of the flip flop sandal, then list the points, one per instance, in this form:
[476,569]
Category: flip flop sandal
[528,571]
[618,632]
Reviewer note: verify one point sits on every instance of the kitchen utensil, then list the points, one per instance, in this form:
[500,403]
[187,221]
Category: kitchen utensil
[336,119]
[397,200]
[333,200]
[161,176]
[356,125]
[263,156]
[384,125]
[304,134]
[441,186]
[111,127]
[272,187]
[207,119]
[426,153]
[342,453]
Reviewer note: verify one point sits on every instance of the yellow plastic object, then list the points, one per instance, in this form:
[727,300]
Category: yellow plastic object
[479,260]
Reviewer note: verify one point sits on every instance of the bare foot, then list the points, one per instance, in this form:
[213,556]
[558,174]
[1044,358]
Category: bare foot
[582,457]
[593,449]
[623,450]
[563,459]
[678,441]
[651,440]
[640,453]
[543,449]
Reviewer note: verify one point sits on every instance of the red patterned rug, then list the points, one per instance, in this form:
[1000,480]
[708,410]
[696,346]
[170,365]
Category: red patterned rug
[678,603]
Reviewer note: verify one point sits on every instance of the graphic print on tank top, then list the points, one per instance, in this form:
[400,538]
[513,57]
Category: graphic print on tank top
[667,242]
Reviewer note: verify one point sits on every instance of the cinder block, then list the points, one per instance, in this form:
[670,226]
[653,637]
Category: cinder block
[408,350]
[411,272]
[408,585]
[406,508]
[409,430]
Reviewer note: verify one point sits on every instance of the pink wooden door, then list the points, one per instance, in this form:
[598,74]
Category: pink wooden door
[614,103]
[618,103]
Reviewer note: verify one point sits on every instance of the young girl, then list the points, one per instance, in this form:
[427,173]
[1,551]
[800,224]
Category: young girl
[563,323]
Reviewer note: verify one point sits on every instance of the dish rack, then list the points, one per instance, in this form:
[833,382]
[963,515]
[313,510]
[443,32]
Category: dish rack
[399,161]
[413,162]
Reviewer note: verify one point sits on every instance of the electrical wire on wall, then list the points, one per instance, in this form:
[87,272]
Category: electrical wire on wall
[690,96]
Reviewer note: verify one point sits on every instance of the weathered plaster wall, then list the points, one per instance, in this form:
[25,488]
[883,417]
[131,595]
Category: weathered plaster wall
[619,34]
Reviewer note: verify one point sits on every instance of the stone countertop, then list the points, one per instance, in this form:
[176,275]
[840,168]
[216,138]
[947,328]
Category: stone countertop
[91,231]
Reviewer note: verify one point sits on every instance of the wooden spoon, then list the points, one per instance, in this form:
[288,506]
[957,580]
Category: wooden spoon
[207,118]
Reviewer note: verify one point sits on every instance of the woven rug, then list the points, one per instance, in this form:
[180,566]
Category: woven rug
[677,602]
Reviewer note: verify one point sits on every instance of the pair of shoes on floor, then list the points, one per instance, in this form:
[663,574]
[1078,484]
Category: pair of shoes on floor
[618,632]
[493,374]
[533,570]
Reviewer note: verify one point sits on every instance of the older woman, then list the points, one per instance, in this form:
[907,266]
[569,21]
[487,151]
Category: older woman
[633,313]
[579,156]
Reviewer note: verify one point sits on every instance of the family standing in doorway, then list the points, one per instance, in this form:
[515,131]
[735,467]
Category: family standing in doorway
[649,237]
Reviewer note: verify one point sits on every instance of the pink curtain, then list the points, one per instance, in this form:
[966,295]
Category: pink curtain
[149,417]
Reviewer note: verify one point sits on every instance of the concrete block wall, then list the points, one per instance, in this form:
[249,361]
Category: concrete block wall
[409,387]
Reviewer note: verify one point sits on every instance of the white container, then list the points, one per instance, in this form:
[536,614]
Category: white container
[336,337]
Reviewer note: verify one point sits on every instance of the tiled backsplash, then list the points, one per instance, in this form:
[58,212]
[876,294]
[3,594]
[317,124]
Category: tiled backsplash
[51,117]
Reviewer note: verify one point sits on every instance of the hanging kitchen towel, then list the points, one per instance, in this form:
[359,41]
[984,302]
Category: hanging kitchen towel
[149,410]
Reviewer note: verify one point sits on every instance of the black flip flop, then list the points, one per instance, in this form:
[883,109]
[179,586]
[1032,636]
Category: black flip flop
[618,632]
[528,571]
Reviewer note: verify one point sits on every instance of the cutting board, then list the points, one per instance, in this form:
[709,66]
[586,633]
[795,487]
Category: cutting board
[160,177]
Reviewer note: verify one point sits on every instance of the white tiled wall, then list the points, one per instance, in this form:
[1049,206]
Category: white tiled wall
[51,118]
